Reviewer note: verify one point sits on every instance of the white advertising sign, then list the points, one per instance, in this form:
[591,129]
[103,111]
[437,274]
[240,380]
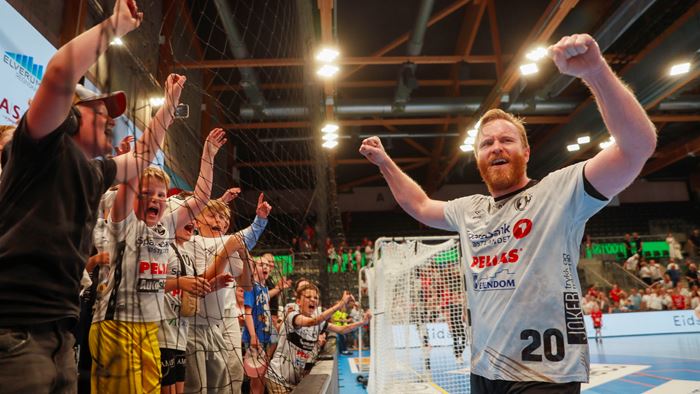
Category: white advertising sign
[24,53]
[645,323]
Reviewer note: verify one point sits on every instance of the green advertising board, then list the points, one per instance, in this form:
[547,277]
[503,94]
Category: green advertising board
[655,249]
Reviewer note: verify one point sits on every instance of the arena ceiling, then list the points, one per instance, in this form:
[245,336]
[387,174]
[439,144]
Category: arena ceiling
[259,71]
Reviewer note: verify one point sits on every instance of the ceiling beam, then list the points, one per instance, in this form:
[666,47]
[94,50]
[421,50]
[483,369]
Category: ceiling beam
[438,16]
[671,156]
[410,141]
[361,84]
[358,182]
[551,19]
[74,13]
[298,163]
[185,15]
[643,53]
[659,40]
[326,10]
[535,119]
[495,38]
[473,15]
[343,61]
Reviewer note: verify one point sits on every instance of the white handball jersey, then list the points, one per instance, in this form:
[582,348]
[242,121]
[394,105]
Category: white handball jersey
[295,349]
[212,308]
[138,266]
[521,253]
[172,333]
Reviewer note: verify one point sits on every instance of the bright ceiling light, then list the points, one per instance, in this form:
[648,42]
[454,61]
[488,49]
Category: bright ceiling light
[330,128]
[330,137]
[607,143]
[470,140]
[156,101]
[330,144]
[583,140]
[466,148]
[327,55]
[472,132]
[536,54]
[529,68]
[327,70]
[117,42]
[679,69]
[573,147]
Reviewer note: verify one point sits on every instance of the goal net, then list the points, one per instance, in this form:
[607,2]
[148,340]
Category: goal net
[419,332]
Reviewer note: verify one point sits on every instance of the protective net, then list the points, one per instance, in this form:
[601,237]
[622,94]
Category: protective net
[419,334]
[279,160]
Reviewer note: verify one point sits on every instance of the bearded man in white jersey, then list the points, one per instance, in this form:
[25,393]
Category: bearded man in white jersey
[522,242]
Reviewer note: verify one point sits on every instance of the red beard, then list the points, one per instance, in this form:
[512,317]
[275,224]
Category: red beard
[505,176]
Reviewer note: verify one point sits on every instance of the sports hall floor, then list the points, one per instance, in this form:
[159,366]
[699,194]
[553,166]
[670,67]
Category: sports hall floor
[668,364]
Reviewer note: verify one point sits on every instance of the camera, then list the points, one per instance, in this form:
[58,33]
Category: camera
[182,111]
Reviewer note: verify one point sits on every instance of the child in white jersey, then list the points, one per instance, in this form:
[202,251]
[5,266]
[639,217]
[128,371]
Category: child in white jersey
[298,337]
[214,354]
[123,338]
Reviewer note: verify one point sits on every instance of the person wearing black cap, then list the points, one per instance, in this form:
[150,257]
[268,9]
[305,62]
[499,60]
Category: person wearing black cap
[49,196]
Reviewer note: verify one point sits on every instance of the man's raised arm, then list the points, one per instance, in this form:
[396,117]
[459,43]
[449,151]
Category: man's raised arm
[54,97]
[406,191]
[614,168]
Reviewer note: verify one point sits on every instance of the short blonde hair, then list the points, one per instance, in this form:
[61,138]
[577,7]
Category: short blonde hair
[308,286]
[218,207]
[499,114]
[156,173]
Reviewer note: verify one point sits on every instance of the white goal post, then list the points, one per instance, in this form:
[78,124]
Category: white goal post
[418,334]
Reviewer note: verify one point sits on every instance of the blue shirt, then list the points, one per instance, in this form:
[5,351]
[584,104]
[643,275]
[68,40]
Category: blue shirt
[258,300]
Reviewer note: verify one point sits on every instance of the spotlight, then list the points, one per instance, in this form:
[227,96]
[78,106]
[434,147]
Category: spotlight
[156,101]
[117,42]
[679,69]
[330,137]
[536,54]
[470,140]
[330,144]
[330,128]
[466,148]
[529,68]
[583,140]
[573,147]
[327,70]
[472,132]
[327,55]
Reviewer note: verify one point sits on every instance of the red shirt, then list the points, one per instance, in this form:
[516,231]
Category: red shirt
[615,294]
[597,318]
[678,301]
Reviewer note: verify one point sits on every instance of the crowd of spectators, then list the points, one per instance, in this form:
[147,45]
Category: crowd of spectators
[341,256]
[169,301]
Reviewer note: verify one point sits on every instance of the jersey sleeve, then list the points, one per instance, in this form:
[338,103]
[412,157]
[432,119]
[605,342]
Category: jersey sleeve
[249,298]
[174,265]
[569,184]
[455,211]
[252,233]
[289,319]
[117,230]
